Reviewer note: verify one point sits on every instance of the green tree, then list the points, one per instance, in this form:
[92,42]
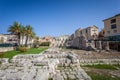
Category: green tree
[16,30]
[36,42]
[45,44]
[29,34]
[23,32]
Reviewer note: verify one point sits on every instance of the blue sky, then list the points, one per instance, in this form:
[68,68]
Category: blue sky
[56,17]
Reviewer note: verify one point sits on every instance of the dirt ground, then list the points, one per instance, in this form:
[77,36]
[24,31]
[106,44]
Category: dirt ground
[83,54]
[103,72]
[95,55]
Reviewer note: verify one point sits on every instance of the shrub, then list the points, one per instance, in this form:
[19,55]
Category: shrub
[23,49]
[1,55]
[102,66]
[45,44]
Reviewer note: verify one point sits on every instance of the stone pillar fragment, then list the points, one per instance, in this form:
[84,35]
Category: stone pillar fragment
[107,46]
[100,45]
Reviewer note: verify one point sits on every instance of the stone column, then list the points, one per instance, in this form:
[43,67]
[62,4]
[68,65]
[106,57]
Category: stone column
[97,44]
[107,46]
[100,45]
[93,43]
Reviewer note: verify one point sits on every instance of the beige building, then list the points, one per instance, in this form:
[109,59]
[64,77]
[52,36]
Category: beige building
[89,32]
[7,38]
[81,37]
[45,39]
[12,39]
[112,26]
[48,39]
[61,41]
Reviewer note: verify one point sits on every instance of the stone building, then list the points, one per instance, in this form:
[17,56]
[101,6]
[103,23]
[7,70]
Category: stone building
[112,31]
[112,27]
[61,41]
[45,39]
[48,39]
[82,37]
[69,41]
[12,39]
[89,32]
[8,38]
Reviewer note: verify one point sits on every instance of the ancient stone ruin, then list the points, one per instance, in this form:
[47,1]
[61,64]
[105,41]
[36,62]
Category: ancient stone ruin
[51,64]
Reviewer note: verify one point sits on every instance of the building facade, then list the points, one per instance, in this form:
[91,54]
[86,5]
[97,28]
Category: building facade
[89,32]
[81,37]
[48,39]
[61,41]
[12,39]
[112,27]
[8,38]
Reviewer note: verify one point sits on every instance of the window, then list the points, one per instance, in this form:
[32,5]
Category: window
[108,32]
[113,26]
[94,30]
[115,31]
[113,20]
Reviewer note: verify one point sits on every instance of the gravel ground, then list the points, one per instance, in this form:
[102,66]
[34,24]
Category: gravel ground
[83,54]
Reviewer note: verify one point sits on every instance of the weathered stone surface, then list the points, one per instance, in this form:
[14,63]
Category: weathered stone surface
[58,66]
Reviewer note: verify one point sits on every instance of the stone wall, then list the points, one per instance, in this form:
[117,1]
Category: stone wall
[5,49]
[61,41]
[82,43]
[99,61]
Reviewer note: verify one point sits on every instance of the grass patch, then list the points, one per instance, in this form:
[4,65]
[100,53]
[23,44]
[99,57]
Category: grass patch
[1,54]
[50,79]
[39,65]
[101,66]
[10,54]
[60,67]
[117,65]
[96,76]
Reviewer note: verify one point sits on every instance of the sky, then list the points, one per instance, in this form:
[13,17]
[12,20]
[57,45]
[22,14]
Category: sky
[56,17]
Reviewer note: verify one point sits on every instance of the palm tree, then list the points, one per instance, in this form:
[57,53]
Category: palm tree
[29,34]
[23,31]
[16,30]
